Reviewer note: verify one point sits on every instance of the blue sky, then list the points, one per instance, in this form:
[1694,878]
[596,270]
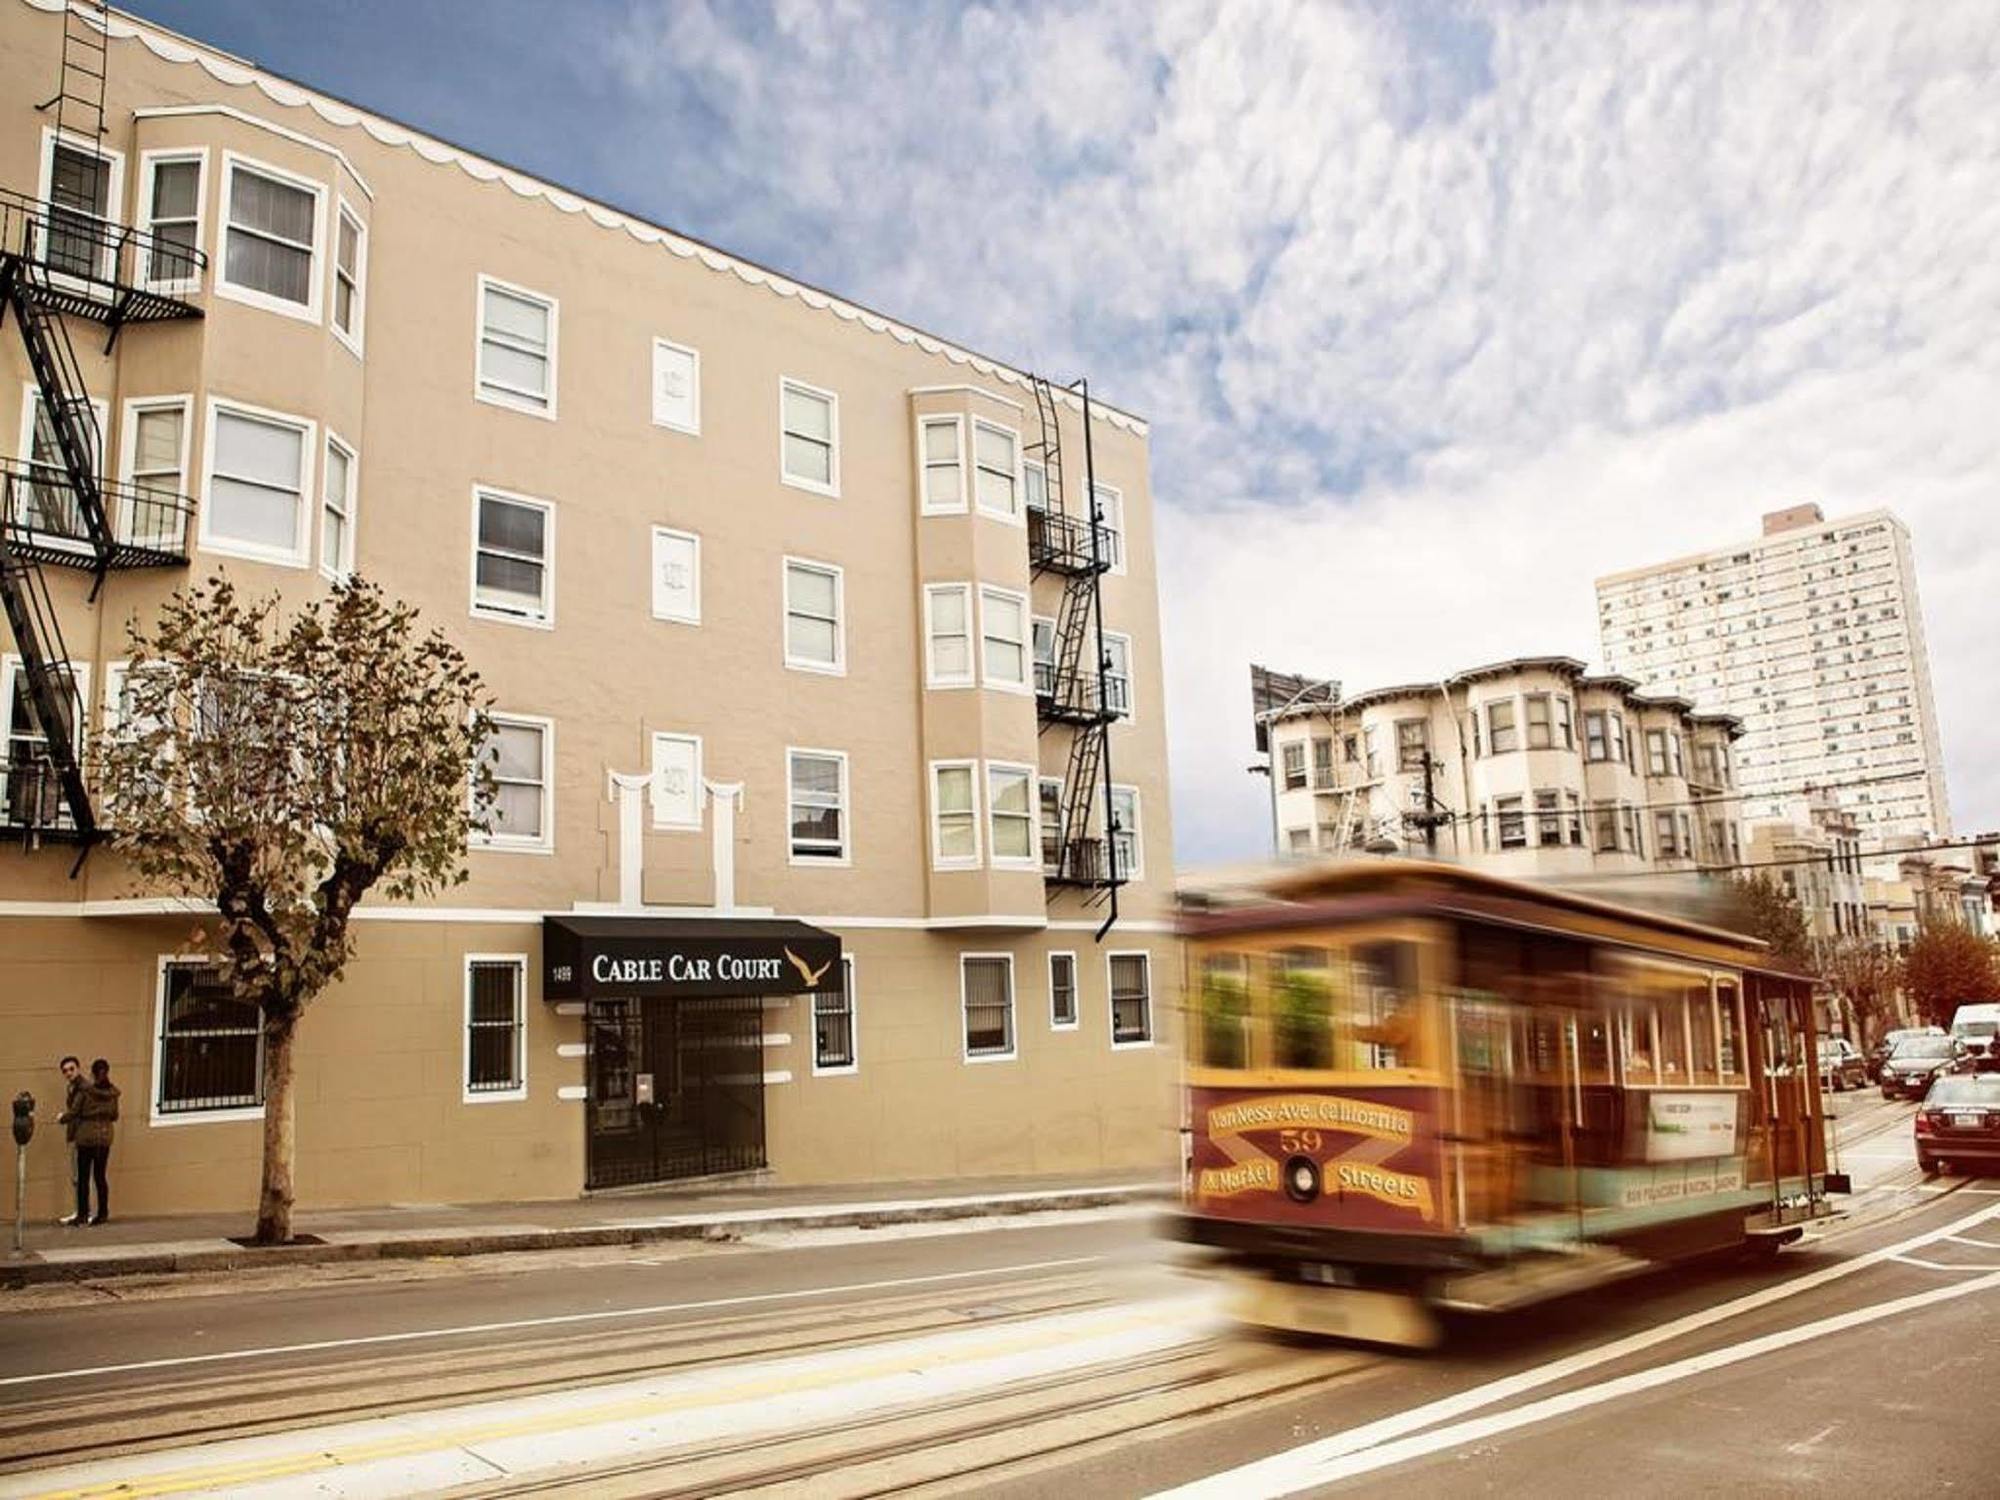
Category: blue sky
[1439,311]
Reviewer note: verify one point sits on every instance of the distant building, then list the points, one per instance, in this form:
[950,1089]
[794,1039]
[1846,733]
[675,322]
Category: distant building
[1813,637]
[1536,768]
[1815,858]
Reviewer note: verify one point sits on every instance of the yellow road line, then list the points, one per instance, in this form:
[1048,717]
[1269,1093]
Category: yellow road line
[182,1481]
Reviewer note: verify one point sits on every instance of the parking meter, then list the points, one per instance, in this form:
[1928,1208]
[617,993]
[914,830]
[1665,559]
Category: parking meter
[24,1131]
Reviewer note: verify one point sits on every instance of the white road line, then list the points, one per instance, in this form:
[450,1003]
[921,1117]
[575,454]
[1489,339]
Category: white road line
[1417,1418]
[555,1320]
[1966,1239]
[1938,1265]
[1288,1474]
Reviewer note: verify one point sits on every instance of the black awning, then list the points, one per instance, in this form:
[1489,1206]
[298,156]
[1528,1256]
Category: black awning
[584,957]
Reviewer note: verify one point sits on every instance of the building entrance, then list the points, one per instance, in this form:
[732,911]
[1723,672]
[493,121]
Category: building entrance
[675,1088]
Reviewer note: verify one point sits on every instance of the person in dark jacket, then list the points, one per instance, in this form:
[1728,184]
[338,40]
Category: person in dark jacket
[97,1111]
[73,1087]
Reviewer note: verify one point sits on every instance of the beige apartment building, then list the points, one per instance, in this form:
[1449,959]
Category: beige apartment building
[1812,635]
[814,673]
[1538,768]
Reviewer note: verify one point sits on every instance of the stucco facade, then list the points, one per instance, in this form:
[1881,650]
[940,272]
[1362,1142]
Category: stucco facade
[683,515]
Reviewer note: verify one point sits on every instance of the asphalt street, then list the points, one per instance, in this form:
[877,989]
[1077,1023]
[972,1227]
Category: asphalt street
[1062,1355]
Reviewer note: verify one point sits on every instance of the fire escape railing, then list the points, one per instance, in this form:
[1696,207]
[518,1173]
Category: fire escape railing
[1074,688]
[61,260]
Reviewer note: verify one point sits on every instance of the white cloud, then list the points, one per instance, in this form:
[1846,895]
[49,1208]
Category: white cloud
[1435,322]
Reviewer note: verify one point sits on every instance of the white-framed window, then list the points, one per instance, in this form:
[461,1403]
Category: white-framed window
[1130,977]
[208,1046]
[339,474]
[1596,743]
[1011,812]
[1118,673]
[1035,484]
[152,465]
[257,472]
[1042,635]
[30,795]
[521,753]
[1051,804]
[516,364]
[1513,819]
[814,639]
[808,437]
[1656,752]
[676,576]
[986,997]
[1125,839]
[1501,733]
[676,387]
[496,1027]
[350,276]
[996,469]
[1111,518]
[270,238]
[1539,731]
[816,806]
[1062,991]
[1003,639]
[954,814]
[170,194]
[49,504]
[1292,758]
[948,635]
[836,1028]
[941,463]
[513,558]
[83,184]
[677,774]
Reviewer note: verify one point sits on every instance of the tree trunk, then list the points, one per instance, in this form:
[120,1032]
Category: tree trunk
[274,1203]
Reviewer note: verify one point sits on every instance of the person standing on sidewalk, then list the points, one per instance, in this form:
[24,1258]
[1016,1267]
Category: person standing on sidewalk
[73,1087]
[97,1111]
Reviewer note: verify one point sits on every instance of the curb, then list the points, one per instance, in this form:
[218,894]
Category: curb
[141,1261]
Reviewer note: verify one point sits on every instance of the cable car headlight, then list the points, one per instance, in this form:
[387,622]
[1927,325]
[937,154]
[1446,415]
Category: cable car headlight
[1301,1179]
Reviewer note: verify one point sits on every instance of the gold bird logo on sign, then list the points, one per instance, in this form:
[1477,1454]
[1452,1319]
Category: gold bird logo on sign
[811,976]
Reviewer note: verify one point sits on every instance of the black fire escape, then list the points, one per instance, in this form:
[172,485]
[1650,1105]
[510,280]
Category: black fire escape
[60,258]
[1074,690]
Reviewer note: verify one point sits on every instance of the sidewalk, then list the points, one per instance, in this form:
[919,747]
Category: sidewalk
[201,1242]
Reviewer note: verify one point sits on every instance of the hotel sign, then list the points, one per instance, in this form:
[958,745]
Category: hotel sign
[589,957]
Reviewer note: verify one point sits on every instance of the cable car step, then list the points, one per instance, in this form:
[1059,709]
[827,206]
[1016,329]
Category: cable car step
[1539,1277]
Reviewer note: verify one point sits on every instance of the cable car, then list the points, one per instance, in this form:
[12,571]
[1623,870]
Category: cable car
[1411,1087]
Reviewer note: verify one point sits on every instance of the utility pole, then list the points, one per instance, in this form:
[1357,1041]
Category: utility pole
[1431,817]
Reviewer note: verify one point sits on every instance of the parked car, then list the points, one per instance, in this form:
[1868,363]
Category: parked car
[1879,1053]
[1977,1027]
[1959,1123]
[1841,1065]
[1910,1068]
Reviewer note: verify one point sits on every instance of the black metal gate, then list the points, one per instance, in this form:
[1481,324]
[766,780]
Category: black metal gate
[676,1089]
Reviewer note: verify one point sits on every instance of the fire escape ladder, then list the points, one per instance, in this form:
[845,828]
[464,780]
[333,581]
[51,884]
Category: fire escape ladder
[79,100]
[52,696]
[65,407]
[1047,447]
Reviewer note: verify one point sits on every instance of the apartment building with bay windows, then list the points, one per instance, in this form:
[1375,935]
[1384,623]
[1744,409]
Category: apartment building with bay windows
[1537,768]
[831,839]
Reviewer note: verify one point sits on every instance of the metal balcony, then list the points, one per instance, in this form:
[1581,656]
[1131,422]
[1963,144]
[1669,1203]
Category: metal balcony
[97,268]
[34,806]
[1082,862]
[1074,697]
[45,520]
[1059,543]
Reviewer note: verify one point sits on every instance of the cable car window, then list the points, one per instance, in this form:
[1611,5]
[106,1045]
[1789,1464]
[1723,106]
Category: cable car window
[1729,1016]
[1225,1011]
[1701,1032]
[1301,1009]
[1384,985]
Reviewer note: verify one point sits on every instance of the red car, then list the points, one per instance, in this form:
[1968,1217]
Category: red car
[1958,1124]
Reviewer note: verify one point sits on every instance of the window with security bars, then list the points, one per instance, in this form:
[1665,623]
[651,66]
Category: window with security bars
[211,1043]
[988,986]
[833,1021]
[1062,989]
[495,1024]
[1131,1000]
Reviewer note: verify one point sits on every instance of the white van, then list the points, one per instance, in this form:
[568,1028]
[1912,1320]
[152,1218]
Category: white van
[1977,1027]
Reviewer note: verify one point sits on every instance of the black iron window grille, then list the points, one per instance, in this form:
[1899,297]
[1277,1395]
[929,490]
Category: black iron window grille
[1131,999]
[1062,989]
[989,1006]
[833,1021]
[494,1026]
[211,1043]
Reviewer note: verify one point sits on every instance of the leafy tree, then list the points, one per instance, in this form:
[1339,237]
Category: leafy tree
[1948,965]
[1869,976]
[1764,909]
[282,769]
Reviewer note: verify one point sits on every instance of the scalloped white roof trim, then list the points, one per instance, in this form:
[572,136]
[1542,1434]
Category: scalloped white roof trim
[229,70]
